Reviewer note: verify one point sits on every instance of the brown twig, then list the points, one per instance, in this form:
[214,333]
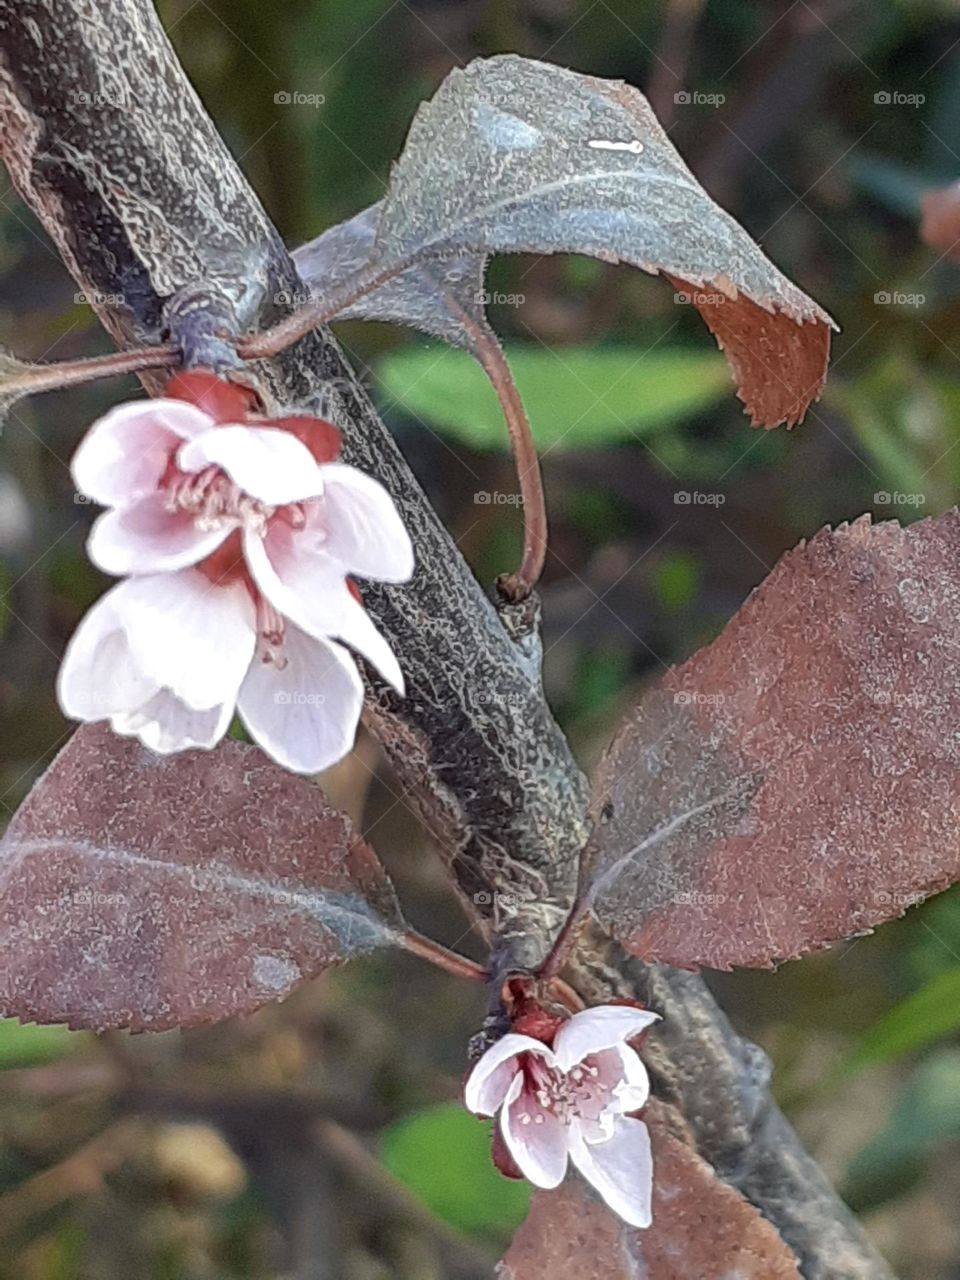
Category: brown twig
[79,1174]
[440,956]
[564,942]
[351,1154]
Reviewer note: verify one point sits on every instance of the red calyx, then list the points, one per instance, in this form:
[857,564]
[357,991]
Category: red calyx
[528,1017]
[224,401]
[539,1024]
[227,401]
[322,438]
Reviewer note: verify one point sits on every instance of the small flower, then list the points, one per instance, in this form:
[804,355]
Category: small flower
[236,542]
[573,1099]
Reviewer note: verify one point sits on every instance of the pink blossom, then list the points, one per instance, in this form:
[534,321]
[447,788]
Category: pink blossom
[235,546]
[572,1100]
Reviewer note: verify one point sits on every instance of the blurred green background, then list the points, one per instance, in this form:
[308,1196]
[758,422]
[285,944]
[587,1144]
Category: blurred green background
[321,1138]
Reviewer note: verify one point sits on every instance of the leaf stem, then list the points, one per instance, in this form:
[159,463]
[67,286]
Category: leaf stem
[516,586]
[31,379]
[564,942]
[442,957]
[270,342]
[563,992]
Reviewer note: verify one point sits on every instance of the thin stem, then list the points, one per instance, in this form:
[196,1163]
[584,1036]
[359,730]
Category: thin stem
[564,942]
[443,958]
[270,342]
[563,992]
[71,373]
[516,586]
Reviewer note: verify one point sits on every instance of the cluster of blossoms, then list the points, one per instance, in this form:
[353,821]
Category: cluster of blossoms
[565,1090]
[235,537]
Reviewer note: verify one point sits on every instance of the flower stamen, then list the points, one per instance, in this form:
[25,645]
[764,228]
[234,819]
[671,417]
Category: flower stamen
[213,500]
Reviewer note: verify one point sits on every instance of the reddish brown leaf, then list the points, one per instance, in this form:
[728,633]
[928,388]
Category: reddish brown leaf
[702,1230]
[797,781]
[777,347]
[151,891]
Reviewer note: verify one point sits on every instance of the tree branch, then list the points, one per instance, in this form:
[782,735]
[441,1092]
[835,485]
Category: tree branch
[110,146]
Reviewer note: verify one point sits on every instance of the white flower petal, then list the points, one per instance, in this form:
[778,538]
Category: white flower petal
[98,676]
[482,1093]
[620,1168]
[147,538]
[166,724]
[311,591]
[634,1090]
[537,1139]
[363,527]
[189,636]
[125,453]
[359,631]
[304,714]
[594,1029]
[305,586]
[265,462]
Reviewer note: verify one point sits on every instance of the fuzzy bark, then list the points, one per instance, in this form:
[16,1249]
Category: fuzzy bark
[110,146]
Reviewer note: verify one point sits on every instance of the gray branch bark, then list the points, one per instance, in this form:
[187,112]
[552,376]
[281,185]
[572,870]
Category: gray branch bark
[110,146]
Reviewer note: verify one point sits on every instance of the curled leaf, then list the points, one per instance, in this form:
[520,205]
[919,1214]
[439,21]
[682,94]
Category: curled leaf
[797,781]
[513,155]
[149,891]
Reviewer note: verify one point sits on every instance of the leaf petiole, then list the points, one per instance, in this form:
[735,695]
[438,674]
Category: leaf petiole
[442,957]
[18,378]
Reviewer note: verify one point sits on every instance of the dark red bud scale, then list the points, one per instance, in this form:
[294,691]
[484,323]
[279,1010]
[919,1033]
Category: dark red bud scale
[528,1016]
[537,1023]
[322,438]
[224,401]
[229,402]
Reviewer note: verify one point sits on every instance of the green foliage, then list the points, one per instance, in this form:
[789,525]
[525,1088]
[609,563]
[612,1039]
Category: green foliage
[442,1154]
[926,1114]
[601,676]
[576,397]
[676,579]
[906,422]
[924,1017]
[24,1044]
